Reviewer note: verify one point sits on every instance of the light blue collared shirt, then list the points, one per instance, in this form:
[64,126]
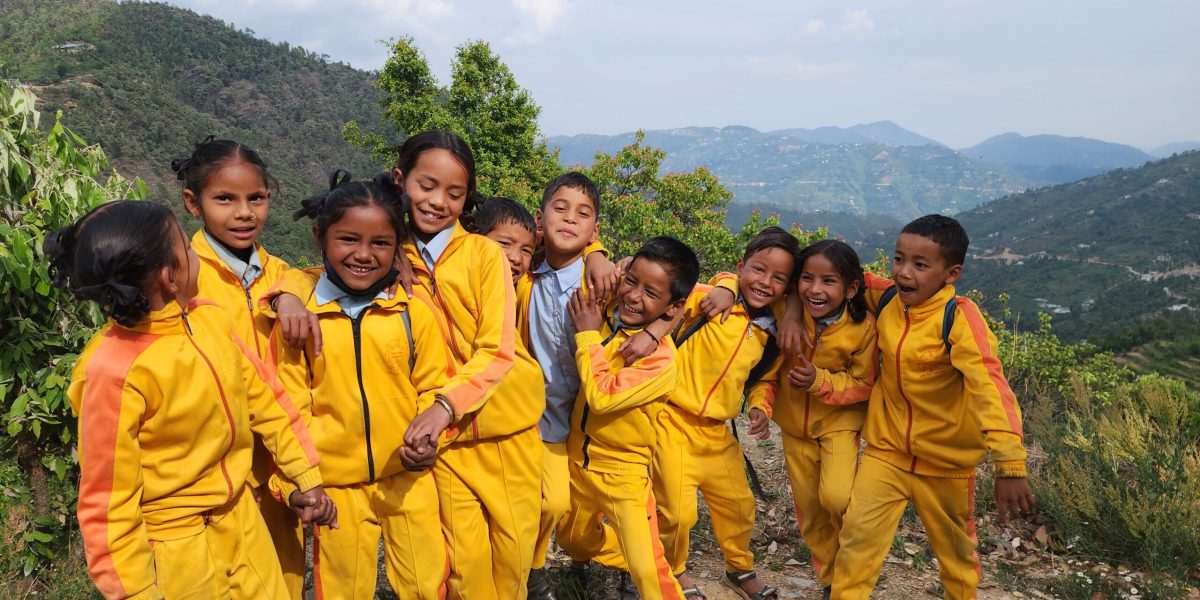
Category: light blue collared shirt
[552,335]
[351,306]
[432,250]
[246,271]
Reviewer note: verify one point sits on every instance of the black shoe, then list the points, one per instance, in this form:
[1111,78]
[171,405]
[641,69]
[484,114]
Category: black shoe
[825,592]
[626,590]
[539,586]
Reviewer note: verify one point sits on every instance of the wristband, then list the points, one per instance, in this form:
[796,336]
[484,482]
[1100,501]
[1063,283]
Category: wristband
[440,399]
[652,336]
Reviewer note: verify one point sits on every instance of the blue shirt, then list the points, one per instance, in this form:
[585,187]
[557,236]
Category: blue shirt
[552,335]
[246,271]
[351,306]
[432,250]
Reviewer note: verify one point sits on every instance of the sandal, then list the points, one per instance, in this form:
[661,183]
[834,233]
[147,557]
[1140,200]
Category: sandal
[693,592]
[734,582]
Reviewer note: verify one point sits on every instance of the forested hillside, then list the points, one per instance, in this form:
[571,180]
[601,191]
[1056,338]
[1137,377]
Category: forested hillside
[148,80]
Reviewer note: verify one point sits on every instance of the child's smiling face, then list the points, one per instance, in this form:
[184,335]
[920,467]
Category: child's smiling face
[645,294]
[568,221]
[919,269]
[437,189]
[517,244]
[361,246]
[822,288]
[764,276]
[233,203]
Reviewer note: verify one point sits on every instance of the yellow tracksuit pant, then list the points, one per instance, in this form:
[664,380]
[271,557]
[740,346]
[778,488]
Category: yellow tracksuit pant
[403,509]
[491,497]
[946,507]
[696,453]
[627,504]
[288,537]
[821,471]
[556,498]
[232,558]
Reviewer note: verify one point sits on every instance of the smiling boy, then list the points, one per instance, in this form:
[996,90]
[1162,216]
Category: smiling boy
[612,437]
[939,407]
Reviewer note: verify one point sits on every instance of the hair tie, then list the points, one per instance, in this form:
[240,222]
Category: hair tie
[339,177]
[180,166]
[111,292]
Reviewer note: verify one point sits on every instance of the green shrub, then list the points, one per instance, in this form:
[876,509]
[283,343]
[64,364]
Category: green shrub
[1122,479]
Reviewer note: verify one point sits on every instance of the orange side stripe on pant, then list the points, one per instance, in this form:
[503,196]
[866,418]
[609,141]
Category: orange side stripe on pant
[666,579]
[971,526]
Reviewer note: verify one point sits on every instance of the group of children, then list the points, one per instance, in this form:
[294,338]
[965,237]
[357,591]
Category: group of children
[521,387]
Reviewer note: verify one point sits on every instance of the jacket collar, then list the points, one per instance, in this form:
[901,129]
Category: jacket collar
[205,250]
[935,304]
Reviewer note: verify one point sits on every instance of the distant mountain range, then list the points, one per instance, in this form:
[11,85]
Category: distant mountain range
[908,175]
[1047,159]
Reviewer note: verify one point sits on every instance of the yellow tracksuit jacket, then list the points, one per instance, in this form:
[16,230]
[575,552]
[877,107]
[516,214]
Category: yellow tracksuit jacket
[218,283]
[695,449]
[166,411]
[937,413]
[359,395]
[846,360]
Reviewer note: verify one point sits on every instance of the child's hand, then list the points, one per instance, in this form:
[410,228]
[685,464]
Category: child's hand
[421,456]
[803,374]
[623,266]
[602,275]
[636,347]
[407,277]
[792,337]
[585,312]
[427,427]
[314,506]
[1013,497]
[718,301]
[760,425]
[296,323]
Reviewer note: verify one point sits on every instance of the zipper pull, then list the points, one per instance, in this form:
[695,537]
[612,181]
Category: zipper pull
[186,324]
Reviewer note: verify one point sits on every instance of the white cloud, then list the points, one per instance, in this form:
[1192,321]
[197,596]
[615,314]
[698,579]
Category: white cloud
[813,27]
[536,19]
[405,9]
[857,23]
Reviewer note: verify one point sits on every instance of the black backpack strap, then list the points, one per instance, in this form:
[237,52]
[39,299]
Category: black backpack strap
[948,321]
[884,299]
[412,346]
[682,336]
[770,353]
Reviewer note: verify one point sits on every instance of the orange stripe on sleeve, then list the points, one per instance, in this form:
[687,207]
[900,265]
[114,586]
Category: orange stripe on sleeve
[980,333]
[295,422]
[99,433]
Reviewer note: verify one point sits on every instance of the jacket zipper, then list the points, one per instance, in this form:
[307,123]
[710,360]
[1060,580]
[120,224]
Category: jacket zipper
[453,340]
[728,364]
[900,387]
[356,327]
[224,403]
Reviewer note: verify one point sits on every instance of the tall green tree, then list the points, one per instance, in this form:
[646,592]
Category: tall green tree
[48,178]
[483,104]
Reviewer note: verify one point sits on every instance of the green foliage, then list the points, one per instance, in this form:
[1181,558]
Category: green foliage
[47,180]
[1124,475]
[483,104]
[638,203]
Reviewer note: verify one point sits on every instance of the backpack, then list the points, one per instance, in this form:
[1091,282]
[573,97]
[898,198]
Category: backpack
[947,313]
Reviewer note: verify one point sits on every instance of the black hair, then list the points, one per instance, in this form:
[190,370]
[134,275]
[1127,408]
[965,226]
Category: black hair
[845,261]
[776,237]
[413,147]
[576,181]
[210,155]
[677,259]
[108,256]
[497,211]
[946,232]
[344,194]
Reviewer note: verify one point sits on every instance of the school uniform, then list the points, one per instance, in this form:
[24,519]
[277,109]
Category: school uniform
[695,449]
[236,286]
[820,427]
[934,414]
[609,447]
[489,475]
[166,414]
[378,371]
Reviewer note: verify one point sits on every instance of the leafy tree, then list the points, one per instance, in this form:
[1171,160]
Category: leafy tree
[47,180]
[483,104]
[639,203]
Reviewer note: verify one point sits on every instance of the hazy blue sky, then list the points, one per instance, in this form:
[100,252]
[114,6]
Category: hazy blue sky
[958,71]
